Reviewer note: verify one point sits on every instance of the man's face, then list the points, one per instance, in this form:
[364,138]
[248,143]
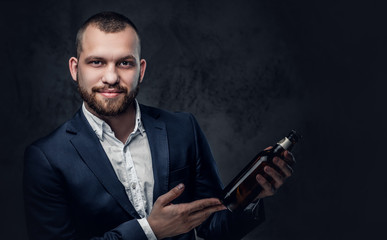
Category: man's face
[108,70]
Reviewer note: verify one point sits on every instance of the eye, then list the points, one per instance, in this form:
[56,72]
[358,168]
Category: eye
[95,63]
[127,64]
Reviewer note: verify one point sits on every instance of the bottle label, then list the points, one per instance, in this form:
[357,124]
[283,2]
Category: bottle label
[285,143]
[263,159]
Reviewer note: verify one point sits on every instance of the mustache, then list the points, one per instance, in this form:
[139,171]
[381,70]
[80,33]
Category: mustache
[116,88]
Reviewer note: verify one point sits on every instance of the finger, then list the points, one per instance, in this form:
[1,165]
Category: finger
[285,168]
[198,217]
[168,197]
[277,177]
[268,189]
[203,204]
[289,157]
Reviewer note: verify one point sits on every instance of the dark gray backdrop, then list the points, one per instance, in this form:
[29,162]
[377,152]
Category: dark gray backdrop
[250,71]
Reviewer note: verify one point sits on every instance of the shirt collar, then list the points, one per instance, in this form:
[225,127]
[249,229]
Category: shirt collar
[100,127]
[138,124]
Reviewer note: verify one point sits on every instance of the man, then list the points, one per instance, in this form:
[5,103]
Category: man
[121,170]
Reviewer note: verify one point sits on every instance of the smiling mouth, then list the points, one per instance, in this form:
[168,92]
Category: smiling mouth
[110,93]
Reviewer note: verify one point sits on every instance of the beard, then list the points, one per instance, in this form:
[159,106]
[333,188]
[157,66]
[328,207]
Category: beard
[109,107]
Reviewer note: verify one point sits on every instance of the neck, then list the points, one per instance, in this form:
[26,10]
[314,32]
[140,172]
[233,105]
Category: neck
[123,124]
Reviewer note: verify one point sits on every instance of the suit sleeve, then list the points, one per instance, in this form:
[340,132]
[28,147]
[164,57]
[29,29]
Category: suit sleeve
[47,207]
[223,224]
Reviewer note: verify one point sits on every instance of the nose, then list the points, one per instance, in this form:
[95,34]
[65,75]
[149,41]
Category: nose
[110,76]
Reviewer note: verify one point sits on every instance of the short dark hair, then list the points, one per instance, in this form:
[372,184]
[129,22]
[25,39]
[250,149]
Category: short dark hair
[109,22]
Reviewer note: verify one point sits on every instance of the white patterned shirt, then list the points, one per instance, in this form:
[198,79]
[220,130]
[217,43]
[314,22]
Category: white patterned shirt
[132,163]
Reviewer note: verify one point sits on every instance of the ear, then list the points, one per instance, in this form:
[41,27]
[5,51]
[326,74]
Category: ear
[142,69]
[73,66]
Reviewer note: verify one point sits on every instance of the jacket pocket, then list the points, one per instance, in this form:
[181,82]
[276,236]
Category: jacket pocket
[182,175]
[179,176]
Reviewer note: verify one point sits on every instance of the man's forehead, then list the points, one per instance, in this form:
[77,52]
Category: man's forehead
[94,38]
[95,29]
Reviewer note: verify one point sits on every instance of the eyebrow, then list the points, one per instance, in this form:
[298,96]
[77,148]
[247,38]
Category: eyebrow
[131,57]
[93,58]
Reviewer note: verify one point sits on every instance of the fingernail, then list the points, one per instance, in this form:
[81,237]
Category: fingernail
[259,178]
[180,186]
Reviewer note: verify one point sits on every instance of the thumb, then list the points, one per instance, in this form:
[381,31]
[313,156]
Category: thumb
[268,148]
[165,199]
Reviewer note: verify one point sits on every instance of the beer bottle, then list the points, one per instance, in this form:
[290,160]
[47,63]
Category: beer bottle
[244,188]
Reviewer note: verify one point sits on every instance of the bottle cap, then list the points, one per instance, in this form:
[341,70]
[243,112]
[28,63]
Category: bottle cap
[294,136]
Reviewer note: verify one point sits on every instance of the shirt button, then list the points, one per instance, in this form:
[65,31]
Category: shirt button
[133,186]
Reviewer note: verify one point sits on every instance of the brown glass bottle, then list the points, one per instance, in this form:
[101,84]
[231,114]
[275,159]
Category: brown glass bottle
[244,188]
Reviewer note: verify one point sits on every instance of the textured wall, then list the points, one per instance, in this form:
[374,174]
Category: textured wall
[250,71]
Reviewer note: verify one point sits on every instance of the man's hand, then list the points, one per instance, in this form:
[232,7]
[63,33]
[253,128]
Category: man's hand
[284,164]
[167,220]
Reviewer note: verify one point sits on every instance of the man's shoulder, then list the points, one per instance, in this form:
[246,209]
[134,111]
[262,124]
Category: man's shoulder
[56,138]
[165,115]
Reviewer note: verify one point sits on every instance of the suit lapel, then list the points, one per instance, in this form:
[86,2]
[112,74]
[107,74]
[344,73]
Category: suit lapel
[158,142]
[91,151]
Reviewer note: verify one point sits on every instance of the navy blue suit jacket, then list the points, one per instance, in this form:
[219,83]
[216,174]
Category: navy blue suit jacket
[72,192]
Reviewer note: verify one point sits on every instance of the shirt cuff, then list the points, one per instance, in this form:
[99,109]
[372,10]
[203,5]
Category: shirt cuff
[147,229]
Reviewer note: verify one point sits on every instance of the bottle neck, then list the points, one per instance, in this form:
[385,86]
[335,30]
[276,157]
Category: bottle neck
[284,144]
